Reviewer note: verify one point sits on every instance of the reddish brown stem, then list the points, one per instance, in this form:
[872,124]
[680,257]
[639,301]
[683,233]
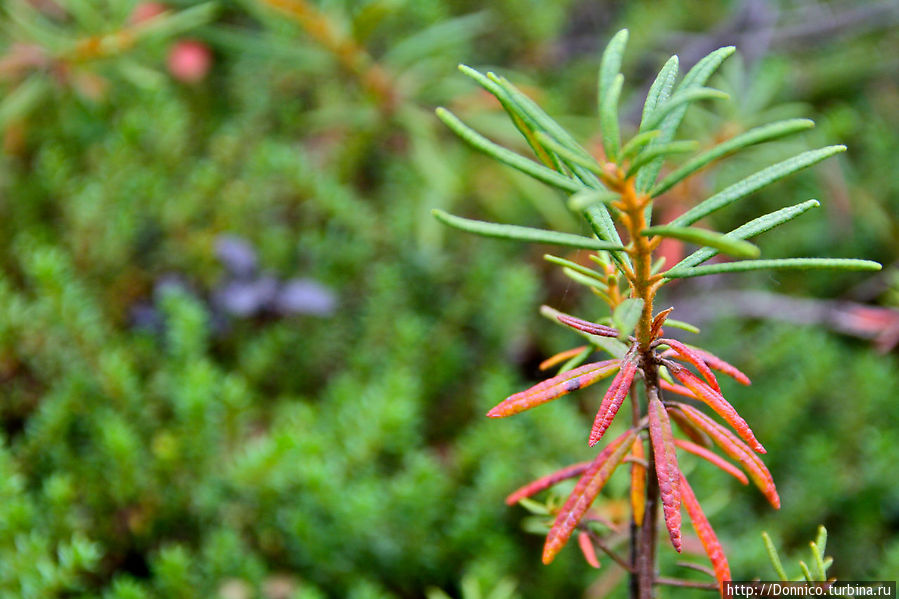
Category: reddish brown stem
[643,286]
[644,576]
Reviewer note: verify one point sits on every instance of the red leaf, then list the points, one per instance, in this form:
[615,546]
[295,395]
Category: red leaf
[667,470]
[657,323]
[737,450]
[715,401]
[721,366]
[586,326]
[587,548]
[547,481]
[713,458]
[695,359]
[553,388]
[690,429]
[561,357]
[613,399]
[585,492]
[638,482]
[705,533]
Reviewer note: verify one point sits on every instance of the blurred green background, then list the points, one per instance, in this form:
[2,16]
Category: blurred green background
[239,359]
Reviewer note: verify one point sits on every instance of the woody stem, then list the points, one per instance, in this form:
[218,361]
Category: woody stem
[643,286]
[643,283]
[644,568]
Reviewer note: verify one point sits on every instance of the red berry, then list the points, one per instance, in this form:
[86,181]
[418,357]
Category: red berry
[189,61]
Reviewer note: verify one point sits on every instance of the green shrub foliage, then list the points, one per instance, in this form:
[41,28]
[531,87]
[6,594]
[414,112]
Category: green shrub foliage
[157,445]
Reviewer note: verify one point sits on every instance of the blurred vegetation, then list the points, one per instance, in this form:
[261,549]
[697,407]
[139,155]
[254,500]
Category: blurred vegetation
[179,424]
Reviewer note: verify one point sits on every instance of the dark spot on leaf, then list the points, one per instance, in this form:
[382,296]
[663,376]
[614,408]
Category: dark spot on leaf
[573,385]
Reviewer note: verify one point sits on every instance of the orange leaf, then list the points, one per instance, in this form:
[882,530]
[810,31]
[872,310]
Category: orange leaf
[704,530]
[713,458]
[553,388]
[613,399]
[547,481]
[737,450]
[695,359]
[587,548]
[638,482]
[586,326]
[561,357]
[679,389]
[585,492]
[715,401]
[667,470]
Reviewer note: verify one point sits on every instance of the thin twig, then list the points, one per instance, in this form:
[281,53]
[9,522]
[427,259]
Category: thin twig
[698,568]
[677,582]
[608,551]
[594,517]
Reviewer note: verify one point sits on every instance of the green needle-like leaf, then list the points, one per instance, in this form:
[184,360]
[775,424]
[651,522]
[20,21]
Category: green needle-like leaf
[783,264]
[774,557]
[535,507]
[695,77]
[523,121]
[577,277]
[497,90]
[679,324]
[518,233]
[660,90]
[599,277]
[597,214]
[636,144]
[569,156]
[586,198]
[610,64]
[704,69]
[754,182]
[751,137]
[543,122]
[718,241]
[821,540]
[627,314]
[609,90]
[506,156]
[818,570]
[750,229]
[613,346]
[535,114]
[603,227]
[577,360]
[608,118]
[682,97]
[548,158]
[656,151]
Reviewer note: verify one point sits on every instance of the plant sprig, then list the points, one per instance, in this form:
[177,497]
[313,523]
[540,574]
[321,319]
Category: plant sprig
[616,192]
